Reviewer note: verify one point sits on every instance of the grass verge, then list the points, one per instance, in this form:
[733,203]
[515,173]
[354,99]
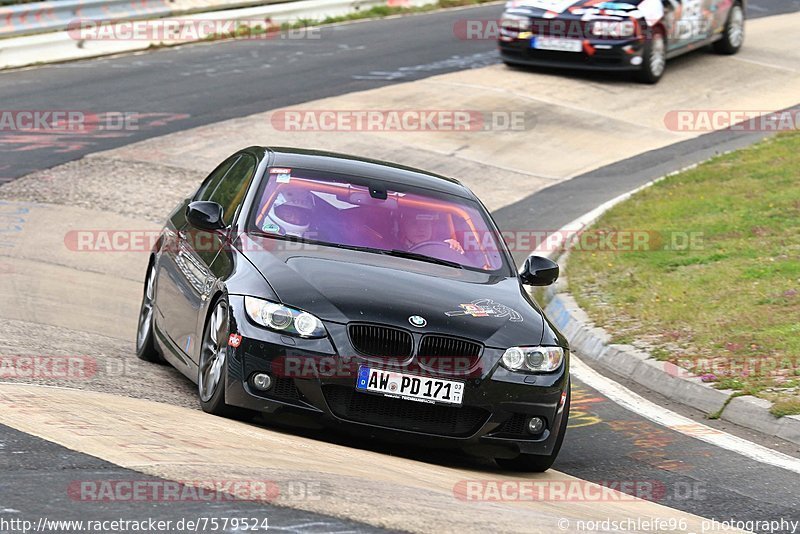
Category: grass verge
[714,283]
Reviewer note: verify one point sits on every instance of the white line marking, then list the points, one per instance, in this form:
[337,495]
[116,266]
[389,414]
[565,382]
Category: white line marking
[763,64]
[635,403]
[660,415]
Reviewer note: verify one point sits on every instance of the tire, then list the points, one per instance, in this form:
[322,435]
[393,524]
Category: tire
[213,369]
[534,463]
[654,58]
[145,335]
[733,36]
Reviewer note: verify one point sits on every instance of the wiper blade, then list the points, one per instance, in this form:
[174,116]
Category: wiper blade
[300,239]
[396,253]
[294,238]
[287,237]
[422,257]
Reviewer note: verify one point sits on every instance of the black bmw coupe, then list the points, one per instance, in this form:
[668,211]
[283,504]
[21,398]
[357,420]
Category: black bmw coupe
[368,296]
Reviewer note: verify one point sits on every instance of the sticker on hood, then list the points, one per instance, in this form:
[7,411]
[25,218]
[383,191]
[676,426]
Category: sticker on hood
[486,308]
[553,6]
[652,11]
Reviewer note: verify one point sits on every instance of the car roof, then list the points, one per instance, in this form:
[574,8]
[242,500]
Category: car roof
[367,168]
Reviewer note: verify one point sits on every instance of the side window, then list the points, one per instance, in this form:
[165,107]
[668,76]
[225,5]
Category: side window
[229,192]
[212,181]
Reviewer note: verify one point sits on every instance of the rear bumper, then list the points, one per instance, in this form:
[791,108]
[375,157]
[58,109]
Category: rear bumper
[316,384]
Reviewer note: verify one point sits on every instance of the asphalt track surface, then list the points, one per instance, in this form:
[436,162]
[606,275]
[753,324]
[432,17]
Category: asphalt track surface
[179,88]
[29,492]
[209,83]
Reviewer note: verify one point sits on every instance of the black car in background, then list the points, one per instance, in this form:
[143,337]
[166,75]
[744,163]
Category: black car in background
[364,295]
[629,35]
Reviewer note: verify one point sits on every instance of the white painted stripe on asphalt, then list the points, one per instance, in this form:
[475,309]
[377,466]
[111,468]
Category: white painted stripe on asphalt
[764,64]
[660,415]
[637,404]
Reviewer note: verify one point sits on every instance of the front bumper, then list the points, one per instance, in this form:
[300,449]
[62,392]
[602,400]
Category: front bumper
[602,55]
[314,380]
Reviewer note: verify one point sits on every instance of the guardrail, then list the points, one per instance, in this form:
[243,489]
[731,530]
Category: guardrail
[37,17]
[56,46]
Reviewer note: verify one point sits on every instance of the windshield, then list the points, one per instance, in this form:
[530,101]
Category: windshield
[413,223]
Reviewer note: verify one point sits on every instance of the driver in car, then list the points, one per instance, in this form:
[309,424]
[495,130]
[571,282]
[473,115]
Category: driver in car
[417,226]
[290,214]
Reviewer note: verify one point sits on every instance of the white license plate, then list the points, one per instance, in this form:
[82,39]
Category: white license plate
[409,387]
[556,43]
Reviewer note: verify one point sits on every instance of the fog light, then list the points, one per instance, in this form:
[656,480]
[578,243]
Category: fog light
[636,61]
[535,425]
[261,381]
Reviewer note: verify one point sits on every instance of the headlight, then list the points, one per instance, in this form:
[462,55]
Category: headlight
[534,359]
[613,28]
[517,23]
[283,319]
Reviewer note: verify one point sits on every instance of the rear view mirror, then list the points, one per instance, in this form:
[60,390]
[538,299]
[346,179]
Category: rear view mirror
[364,198]
[539,271]
[205,215]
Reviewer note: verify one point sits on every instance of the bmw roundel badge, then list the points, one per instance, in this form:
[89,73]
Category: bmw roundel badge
[417,321]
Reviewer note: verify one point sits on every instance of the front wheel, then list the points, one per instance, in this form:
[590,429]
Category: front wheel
[145,334]
[213,357]
[733,36]
[654,58]
[534,463]
[213,369]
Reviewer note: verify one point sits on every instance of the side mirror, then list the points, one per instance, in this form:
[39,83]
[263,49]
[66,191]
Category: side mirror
[205,215]
[539,271]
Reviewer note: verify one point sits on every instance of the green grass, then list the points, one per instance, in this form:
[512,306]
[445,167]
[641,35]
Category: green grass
[786,407]
[728,304]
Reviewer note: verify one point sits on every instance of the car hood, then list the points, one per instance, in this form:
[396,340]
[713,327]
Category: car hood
[350,286]
[650,10]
